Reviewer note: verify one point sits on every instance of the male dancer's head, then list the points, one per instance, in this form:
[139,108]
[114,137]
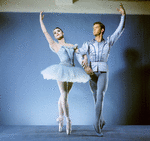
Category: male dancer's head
[98,29]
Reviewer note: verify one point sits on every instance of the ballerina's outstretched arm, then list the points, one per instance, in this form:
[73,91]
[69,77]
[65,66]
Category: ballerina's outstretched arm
[47,35]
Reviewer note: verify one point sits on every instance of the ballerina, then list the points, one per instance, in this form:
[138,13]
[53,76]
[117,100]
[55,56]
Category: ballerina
[65,72]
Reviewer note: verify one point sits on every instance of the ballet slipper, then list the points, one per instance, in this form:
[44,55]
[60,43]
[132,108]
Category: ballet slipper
[61,122]
[68,127]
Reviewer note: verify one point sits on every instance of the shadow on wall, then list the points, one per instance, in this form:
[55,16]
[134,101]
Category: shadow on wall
[132,86]
[134,81]
[137,89]
[2,24]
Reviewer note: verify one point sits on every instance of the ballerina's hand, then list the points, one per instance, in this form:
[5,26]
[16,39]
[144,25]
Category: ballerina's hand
[41,16]
[121,10]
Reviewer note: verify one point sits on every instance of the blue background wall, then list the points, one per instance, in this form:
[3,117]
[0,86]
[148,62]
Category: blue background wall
[28,99]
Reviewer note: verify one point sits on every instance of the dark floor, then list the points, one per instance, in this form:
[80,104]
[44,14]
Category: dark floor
[79,133]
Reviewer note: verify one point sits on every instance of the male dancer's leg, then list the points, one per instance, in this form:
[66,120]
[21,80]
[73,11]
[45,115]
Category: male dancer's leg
[101,87]
[93,86]
[98,85]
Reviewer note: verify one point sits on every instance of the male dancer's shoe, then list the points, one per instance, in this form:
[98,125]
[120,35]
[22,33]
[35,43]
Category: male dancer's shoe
[98,132]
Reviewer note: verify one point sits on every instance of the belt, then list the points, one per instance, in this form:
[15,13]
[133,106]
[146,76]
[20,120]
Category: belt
[99,66]
[98,63]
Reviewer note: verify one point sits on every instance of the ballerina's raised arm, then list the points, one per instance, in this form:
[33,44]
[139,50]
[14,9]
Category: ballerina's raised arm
[52,43]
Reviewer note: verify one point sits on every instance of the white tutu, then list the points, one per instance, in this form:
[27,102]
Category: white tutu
[65,71]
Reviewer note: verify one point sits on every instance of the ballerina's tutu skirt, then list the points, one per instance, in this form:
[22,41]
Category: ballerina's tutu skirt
[65,70]
[61,72]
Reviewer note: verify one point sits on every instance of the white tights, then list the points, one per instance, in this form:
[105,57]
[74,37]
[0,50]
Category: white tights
[63,105]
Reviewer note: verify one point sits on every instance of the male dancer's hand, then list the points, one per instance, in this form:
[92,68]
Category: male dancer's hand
[121,10]
[86,67]
[85,61]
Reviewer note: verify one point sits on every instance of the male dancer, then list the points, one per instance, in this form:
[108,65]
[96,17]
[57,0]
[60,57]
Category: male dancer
[98,51]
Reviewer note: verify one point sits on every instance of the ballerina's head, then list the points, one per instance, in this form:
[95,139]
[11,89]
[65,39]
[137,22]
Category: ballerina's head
[58,33]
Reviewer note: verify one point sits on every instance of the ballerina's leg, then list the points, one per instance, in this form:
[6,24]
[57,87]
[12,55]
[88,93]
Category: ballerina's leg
[64,88]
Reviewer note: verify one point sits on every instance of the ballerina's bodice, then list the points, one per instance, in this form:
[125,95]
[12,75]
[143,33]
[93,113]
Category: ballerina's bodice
[66,55]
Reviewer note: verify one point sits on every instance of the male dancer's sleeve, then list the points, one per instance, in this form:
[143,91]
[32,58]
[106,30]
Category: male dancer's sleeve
[113,38]
[82,51]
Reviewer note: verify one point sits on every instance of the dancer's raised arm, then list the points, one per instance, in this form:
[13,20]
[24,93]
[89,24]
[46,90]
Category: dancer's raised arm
[120,28]
[48,37]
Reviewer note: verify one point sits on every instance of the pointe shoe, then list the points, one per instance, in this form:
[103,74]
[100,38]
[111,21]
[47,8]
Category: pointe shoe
[61,122]
[68,127]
